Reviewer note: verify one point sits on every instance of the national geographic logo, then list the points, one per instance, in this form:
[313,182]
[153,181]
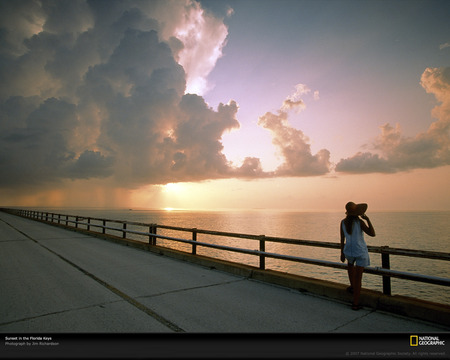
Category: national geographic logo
[415,340]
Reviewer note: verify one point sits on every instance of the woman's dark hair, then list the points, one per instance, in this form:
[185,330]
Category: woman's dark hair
[348,221]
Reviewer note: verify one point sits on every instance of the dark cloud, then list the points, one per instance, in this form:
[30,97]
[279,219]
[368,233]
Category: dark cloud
[394,152]
[251,168]
[91,164]
[93,89]
[364,163]
[19,21]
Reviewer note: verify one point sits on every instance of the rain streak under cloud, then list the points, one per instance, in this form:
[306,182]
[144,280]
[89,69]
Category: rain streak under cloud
[114,90]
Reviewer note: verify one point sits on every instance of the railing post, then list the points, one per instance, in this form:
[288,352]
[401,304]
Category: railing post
[76,222]
[386,264]
[89,224]
[104,224]
[150,237]
[262,248]
[67,220]
[153,229]
[194,238]
[124,233]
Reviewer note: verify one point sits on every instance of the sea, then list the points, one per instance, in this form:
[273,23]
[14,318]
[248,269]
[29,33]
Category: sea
[428,230]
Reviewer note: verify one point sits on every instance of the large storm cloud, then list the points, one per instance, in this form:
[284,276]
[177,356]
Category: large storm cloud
[94,89]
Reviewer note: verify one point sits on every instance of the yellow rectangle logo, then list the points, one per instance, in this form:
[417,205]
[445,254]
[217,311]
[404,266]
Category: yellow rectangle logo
[414,340]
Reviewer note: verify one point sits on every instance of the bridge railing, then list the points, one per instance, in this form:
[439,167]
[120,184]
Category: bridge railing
[149,233]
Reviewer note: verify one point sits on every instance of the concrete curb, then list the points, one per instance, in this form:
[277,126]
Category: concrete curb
[410,307]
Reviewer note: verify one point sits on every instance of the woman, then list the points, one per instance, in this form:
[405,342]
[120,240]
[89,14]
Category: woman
[353,246]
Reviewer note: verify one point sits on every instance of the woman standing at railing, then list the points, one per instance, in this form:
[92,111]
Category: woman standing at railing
[354,248]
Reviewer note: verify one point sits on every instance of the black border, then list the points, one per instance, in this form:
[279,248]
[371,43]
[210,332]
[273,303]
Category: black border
[227,346]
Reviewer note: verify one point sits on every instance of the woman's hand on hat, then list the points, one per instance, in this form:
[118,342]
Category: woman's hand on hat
[364,216]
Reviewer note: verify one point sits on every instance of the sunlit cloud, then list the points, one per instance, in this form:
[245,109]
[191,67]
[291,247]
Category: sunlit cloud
[293,145]
[294,101]
[203,37]
[393,152]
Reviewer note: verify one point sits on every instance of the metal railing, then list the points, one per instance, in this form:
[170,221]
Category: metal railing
[150,234]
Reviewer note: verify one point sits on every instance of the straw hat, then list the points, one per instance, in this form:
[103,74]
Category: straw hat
[355,209]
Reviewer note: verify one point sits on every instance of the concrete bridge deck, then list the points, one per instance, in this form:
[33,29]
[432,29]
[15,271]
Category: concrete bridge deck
[58,281]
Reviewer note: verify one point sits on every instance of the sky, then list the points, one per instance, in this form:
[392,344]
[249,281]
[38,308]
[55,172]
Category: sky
[295,105]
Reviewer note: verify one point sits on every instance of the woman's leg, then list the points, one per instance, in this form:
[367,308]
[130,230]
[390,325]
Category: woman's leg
[350,269]
[357,282]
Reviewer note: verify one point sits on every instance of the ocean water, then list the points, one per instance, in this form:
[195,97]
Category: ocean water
[411,230]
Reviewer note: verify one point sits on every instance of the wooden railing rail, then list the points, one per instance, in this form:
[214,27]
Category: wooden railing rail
[75,221]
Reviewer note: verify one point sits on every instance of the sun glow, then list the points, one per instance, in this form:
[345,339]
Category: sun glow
[168,197]
[172,188]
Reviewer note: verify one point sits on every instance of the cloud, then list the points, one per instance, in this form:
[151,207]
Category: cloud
[203,37]
[97,89]
[294,101]
[292,143]
[91,164]
[251,168]
[395,152]
[443,46]
[19,21]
